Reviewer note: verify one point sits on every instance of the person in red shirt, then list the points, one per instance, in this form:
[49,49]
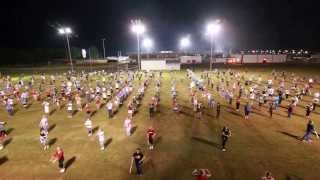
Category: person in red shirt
[150,137]
[201,174]
[59,156]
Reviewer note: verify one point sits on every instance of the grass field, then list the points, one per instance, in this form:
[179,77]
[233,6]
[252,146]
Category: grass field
[183,143]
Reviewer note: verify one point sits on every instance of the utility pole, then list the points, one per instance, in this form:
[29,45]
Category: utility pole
[104,50]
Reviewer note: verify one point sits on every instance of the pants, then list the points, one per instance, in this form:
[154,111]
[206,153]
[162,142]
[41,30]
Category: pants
[110,113]
[139,168]
[224,141]
[61,163]
[307,135]
[10,112]
[289,114]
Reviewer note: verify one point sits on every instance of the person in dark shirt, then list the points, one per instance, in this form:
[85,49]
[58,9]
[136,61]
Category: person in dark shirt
[218,110]
[271,109]
[238,104]
[137,159]
[226,133]
[309,131]
[247,110]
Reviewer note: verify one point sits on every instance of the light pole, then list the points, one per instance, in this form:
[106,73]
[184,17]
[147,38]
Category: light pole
[67,31]
[138,28]
[104,50]
[213,28]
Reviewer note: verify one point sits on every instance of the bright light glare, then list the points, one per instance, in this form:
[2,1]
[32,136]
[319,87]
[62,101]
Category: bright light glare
[66,30]
[185,42]
[138,27]
[213,28]
[147,43]
[61,31]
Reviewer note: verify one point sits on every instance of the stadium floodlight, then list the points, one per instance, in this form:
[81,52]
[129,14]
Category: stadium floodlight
[67,31]
[212,29]
[138,28]
[185,42]
[147,43]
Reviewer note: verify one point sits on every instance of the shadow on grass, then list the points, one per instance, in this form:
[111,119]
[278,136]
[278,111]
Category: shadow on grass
[95,129]
[52,141]
[3,160]
[290,135]
[7,142]
[93,113]
[158,140]
[51,127]
[186,114]
[282,115]
[210,143]
[14,111]
[134,129]
[74,112]
[9,130]
[235,113]
[53,111]
[293,177]
[108,142]
[70,161]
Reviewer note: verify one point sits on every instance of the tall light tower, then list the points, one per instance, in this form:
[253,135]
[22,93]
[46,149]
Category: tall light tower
[138,28]
[213,28]
[66,31]
[104,49]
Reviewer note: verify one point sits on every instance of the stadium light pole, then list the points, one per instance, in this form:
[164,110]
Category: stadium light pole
[138,28]
[104,49]
[66,31]
[213,28]
[147,43]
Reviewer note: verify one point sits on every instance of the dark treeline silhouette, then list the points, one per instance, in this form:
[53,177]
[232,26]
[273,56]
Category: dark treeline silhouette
[40,56]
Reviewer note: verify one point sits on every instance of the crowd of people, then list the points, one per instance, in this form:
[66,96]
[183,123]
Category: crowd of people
[78,92]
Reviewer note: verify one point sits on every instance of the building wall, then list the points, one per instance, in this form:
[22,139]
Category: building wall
[190,59]
[159,65]
[254,58]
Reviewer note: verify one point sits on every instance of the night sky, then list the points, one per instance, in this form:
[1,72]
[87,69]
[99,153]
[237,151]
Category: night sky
[247,24]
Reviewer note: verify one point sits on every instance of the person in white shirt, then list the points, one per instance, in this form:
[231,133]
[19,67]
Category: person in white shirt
[70,109]
[88,125]
[46,107]
[44,123]
[127,126]
[101,139]
[109,108]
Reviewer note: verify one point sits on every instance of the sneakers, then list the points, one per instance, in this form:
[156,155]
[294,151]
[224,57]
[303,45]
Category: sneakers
[62,170]
[102,148]
[1,147]
[224,150]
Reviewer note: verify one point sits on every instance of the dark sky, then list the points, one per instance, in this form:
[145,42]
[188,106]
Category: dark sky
[247,24]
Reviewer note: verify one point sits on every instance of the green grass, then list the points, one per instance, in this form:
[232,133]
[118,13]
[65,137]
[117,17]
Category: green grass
[184,143]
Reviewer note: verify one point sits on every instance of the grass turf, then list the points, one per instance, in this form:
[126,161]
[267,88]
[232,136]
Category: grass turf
[184,143]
